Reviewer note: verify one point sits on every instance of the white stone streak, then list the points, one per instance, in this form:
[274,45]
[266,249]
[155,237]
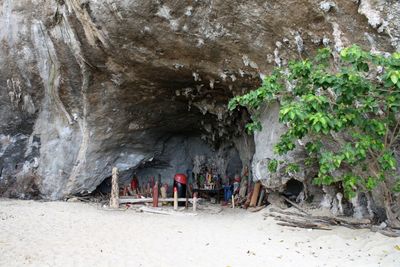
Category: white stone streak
[374,19]
[80,161]
[326,6]
[92,33]
[165,12]
[248,62]
[337,35]
[48,66]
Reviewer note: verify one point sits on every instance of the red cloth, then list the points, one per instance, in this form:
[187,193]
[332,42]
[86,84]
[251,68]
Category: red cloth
[134,183]
[180,178]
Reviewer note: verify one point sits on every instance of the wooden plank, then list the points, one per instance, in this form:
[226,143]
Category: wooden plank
[295,205]
[156,211]
[256,192]
[304,225]
[165,211]
[125,200]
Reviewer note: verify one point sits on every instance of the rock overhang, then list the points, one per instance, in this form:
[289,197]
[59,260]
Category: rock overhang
[107,80]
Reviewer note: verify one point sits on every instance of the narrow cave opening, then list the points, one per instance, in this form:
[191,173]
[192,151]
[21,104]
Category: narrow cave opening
[292,189]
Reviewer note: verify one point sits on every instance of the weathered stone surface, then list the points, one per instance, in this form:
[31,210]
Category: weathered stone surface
[87,85]
[265,140]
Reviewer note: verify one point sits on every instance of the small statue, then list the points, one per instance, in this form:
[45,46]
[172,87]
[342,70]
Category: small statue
[202,181]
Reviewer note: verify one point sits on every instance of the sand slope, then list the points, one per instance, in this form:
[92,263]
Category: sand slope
[77,234]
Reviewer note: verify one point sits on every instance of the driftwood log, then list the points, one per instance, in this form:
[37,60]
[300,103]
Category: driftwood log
[302,220]
[295,205]
[256,209]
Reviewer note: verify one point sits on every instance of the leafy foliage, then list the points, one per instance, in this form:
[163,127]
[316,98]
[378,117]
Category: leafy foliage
[352,107]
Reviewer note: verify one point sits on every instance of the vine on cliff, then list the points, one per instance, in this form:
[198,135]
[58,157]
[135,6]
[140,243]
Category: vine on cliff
[347,112]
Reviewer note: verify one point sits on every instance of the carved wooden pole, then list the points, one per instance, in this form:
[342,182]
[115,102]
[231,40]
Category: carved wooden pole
[194,201]
[155,195]
[175,198]
[114,200]
[163,191]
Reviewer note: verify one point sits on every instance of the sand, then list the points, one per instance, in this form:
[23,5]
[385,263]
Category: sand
[77,234]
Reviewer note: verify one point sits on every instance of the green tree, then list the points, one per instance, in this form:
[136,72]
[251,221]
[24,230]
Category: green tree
[346,111]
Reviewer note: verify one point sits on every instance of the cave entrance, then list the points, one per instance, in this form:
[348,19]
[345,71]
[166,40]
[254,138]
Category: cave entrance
[208,169]
[293,188]
[198,144]
[180,124]
[205,166]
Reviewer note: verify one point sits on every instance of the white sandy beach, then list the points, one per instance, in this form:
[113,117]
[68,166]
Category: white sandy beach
[77,234]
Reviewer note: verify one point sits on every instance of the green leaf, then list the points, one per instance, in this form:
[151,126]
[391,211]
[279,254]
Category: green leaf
[233,103]
[317,127]
[273,165]
[394,77]
[345,111]
[371,183]
[396,187]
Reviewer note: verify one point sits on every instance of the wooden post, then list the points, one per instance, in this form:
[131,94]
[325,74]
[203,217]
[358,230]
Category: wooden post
[155,195]
[248,199]
[114,200]
[195,201]
[243,189]
[175,198]
[233,202]
[163,191]
[256,192]
[187,195]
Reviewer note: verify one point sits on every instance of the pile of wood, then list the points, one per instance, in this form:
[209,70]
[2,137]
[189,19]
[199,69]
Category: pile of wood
[304,219]
[253,199]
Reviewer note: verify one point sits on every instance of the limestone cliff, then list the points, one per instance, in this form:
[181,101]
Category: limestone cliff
[86,85]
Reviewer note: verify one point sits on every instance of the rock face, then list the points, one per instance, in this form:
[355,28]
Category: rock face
[265,141]
[87,85]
